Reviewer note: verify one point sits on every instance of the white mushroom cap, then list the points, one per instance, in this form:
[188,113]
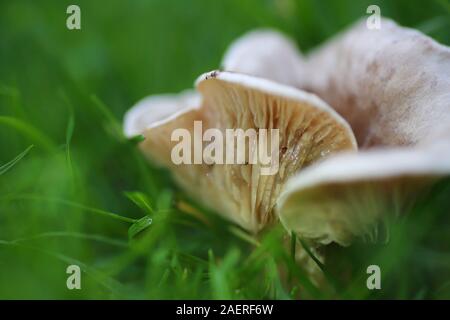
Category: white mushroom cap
[158,109]
[156,117]
[346,195]
[391,84]
[266,54]
[309,130]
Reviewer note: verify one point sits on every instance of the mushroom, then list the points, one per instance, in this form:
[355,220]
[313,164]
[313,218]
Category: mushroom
[309,130]
[393,86]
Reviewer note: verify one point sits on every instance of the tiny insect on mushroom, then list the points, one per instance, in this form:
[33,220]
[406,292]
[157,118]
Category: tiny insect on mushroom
[309,130]
[393,86]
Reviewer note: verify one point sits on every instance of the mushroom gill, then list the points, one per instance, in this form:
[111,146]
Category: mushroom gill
[309,130]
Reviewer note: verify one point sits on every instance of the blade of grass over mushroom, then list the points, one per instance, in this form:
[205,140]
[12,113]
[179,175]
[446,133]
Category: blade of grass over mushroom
[301,275]
[7,166]
[311,254]
[32,197]
[293,244]
[29,131]
[331,279]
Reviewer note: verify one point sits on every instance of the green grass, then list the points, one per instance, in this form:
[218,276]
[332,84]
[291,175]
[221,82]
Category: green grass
[84,194]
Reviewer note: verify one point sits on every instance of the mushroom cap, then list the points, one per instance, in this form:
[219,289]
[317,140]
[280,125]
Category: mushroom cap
[308,130]
[156,117]
[391,84]
[158,109]
[345,196]
[265,53]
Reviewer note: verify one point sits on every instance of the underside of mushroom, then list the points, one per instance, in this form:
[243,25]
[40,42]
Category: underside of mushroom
[309,130]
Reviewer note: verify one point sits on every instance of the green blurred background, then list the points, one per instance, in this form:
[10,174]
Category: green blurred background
[65,92]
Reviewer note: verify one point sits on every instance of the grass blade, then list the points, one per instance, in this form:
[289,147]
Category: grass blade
[75,235]
[29,131]
[71,204]
[141,200]
[112,125]
[11,163]
[293,244]
[69,134]
[140,225]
